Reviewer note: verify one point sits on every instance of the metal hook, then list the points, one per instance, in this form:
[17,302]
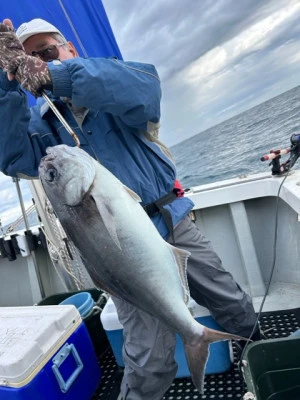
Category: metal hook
[61,118]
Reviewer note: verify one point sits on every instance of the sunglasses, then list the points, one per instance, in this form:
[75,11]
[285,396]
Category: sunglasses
[49,53]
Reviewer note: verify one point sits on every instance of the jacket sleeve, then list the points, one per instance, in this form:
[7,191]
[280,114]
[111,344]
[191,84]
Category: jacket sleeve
[16,151]
[128,90]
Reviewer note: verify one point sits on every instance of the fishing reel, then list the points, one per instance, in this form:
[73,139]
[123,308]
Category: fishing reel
[275,156]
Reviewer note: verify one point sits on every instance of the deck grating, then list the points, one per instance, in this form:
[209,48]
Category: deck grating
[226,386]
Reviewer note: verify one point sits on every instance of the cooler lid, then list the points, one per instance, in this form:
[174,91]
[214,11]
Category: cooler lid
[29,336]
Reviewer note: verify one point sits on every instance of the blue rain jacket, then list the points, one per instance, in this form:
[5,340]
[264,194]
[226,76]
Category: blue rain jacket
[122,101]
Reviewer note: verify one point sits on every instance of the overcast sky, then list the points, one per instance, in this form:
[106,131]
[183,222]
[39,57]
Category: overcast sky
[215,58]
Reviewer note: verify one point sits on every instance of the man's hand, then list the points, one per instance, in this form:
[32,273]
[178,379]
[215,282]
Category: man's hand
[31,72]
[10,46]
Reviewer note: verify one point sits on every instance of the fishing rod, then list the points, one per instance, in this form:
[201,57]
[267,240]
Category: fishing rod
[275,156]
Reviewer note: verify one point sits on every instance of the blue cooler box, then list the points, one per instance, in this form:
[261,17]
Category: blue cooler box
[219,360]
[46,354]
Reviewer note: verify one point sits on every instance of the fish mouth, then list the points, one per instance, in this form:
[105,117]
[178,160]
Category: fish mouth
[53,156]
[47,169]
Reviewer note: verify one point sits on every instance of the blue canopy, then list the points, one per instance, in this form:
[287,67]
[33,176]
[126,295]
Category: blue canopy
[83,22]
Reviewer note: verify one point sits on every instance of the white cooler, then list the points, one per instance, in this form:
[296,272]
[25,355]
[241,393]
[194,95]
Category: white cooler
[46,353]
[219,360]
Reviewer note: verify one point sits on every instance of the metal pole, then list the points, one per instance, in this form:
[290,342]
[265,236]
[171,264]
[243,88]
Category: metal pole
[37,271]
[16,180]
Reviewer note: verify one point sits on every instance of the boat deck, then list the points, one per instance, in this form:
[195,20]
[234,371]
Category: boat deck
[225,386]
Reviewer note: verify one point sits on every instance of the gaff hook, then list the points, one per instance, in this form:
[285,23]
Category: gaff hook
[61,118]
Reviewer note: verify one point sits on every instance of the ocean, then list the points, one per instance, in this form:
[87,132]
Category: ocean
[235,146]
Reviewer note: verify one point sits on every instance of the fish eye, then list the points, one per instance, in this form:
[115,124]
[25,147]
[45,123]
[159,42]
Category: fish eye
[51,174]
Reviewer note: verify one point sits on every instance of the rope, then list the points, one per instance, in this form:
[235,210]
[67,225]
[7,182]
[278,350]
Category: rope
[20,219]
[57,253]
[73,28]
[73,266]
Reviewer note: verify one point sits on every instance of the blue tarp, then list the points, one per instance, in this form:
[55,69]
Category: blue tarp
[83,22]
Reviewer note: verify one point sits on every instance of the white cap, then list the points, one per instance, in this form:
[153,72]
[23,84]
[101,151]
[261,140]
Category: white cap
[34,27]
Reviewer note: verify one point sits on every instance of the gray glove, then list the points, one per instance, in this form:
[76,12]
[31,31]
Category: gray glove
[32,73]
[10,46]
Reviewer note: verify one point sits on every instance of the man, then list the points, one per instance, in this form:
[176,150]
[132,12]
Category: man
[114,108]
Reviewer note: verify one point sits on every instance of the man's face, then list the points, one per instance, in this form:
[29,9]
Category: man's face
[44,46]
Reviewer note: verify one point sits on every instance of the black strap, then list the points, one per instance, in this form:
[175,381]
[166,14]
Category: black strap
[157,206]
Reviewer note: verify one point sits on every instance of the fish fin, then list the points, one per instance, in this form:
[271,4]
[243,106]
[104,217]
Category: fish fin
[197,354]
[107,218]
[181,257]
[135,196]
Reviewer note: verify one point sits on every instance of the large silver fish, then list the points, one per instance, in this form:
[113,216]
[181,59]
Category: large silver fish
[121,248]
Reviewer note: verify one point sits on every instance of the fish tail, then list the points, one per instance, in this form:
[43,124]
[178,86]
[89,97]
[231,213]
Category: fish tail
[198,352]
